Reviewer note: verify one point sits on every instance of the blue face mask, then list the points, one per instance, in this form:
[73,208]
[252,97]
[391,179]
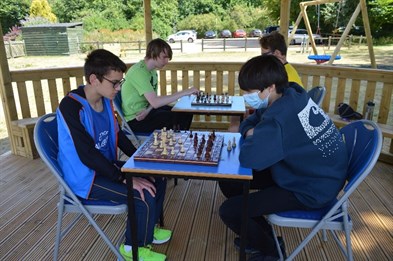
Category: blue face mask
[255,102]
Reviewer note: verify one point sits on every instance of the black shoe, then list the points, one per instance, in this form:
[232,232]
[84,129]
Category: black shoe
[261,257]
[248,250]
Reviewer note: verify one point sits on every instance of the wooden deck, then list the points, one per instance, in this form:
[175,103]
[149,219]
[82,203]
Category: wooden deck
[28,213]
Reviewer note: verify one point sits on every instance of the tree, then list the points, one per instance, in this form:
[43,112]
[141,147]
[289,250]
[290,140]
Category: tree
[41,8]
[70,10]
[11,12]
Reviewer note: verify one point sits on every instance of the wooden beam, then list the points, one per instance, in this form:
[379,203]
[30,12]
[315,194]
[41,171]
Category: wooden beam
[367,30]
[148,24]
[284,18]
[6,93]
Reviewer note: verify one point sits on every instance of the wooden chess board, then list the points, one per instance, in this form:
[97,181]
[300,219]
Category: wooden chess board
[201,148]
[212,100]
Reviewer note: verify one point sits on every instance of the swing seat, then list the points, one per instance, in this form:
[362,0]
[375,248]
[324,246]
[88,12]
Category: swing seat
[322,58]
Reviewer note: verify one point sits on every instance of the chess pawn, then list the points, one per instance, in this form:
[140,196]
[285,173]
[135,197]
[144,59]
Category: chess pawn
[234,142]
[155,139]
[170,141]
[162,144]
[180,141]
[229,145]
[172,151]
[182,148]
[164,152]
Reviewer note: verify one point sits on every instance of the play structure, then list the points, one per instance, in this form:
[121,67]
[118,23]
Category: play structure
[334,56]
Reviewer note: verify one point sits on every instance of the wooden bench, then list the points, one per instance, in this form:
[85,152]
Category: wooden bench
[23,137]
[387,132]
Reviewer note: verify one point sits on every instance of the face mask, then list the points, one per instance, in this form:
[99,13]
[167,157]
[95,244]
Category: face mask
[255,102]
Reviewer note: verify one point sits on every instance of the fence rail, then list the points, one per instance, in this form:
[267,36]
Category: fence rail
[17,48]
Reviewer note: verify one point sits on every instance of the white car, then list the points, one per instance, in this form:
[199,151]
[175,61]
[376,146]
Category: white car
[301,35]
[185,35]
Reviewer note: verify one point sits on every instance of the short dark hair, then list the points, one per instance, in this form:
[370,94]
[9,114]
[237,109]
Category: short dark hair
[274,41]
[262,71]
[156,47]
[100,62]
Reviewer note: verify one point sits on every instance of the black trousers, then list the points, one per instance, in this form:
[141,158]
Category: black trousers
[160,118]
[269,198]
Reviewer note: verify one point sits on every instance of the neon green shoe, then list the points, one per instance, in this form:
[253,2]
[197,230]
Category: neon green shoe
[161,235]
[144,253]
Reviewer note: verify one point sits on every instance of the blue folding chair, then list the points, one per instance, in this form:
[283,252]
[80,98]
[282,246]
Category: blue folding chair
[363,140]
[317,94]
[46,141]
[136,139]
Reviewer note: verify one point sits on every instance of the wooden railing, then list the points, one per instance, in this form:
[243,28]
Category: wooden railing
[37,92]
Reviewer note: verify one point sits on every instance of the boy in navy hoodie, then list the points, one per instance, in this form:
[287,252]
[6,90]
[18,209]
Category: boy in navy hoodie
[298,157]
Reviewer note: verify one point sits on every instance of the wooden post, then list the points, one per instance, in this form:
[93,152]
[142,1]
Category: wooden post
[367,30]
[284,18]
[148,24]
[6,93]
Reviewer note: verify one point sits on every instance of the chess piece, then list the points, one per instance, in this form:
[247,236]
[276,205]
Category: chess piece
[162,144]
[164,151]
[155,134]
[172,151]
[234,142]
[229,146]
[170,142]
[182,148]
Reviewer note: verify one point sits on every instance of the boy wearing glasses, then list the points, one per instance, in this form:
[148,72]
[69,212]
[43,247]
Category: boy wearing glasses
[144,110]
[89,135]
[298,157]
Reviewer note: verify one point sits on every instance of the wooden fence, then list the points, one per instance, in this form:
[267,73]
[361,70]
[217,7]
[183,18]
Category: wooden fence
[32,93]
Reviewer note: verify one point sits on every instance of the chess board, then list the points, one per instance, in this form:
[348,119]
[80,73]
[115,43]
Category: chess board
[201,148]
[212,100]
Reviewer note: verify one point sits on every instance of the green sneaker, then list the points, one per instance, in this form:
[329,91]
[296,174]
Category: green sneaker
[161,235]
[144,253]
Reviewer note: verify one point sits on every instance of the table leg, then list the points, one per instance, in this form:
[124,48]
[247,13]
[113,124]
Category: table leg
[132,217]
[243,236]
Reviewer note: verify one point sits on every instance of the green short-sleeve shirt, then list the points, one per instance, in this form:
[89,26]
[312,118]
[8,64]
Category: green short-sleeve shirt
[139,80]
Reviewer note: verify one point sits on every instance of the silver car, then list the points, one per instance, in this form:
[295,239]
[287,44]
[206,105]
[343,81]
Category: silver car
[302,35]
[185,35]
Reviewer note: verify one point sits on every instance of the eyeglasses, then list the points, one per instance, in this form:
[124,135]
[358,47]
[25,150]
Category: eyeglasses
[115,83]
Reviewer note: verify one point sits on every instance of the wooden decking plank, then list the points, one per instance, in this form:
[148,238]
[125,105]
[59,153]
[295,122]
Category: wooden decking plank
[368,210]
[24,238]
[178,245]
[202,220]
[216,247]
[16,190]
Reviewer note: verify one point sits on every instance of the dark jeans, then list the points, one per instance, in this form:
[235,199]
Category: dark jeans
[147,212]
[268,199]
[160,118]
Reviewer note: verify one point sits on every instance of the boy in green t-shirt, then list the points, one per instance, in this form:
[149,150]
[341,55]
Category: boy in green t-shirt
[144,110]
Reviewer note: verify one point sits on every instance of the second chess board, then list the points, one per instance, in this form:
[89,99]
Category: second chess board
[203,99]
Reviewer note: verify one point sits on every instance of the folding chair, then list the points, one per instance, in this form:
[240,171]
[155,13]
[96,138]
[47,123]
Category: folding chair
[46,141]
[136,140]
[363,140]
[317,94]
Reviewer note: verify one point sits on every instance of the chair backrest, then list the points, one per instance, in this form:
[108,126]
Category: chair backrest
[46,141]
[317,94]
[363,140]
[124,125]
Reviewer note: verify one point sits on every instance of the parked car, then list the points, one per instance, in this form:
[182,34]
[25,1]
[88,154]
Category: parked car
[210,34]
[239,33]
[271,28]
[355,30]
[302,35]
[185,35]
[256,33]
[225,34]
